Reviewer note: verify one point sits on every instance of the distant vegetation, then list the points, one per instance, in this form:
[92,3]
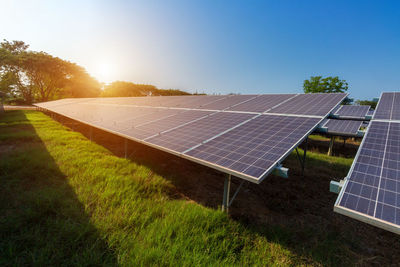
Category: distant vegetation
[28,76]
[121,89]
[371,103]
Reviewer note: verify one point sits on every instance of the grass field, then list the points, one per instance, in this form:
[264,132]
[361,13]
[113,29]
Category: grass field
[67,201]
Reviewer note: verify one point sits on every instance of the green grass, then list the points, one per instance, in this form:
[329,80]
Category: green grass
[67,201]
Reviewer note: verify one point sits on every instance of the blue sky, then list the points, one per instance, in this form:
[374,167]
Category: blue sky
[218,46]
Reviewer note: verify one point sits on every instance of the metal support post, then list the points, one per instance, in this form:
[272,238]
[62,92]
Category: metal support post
[330,150]
[91,133]
[126,148]
[226,203]
[227,187]
[304,156]
[344,141]
[303,160]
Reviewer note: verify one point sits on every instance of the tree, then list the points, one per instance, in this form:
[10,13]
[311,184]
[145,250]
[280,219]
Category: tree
[80,83]
[317,84]
[39,76]
[47,74]
[13,78]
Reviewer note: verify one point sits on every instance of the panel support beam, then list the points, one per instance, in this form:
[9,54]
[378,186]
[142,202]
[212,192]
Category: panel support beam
[331,143]
[226,203]
[91,133]
[126,147]
[335,186]
[281,171]
[302,160]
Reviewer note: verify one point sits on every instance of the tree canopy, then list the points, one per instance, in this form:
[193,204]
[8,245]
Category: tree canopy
[318,84]
[37,76]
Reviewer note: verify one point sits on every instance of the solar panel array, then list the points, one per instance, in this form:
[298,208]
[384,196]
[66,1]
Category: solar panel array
[371,192]
[342,127]
[350,112]
[243,135]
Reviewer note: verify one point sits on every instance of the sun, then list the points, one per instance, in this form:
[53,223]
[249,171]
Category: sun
[105,71]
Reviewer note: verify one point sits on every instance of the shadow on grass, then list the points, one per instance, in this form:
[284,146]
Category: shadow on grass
[296,213]
[41,220]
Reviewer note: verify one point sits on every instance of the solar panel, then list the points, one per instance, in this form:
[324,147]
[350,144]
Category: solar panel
[192,134]
[342,127]
[255,148]
[65,101]
[309,104]
[372,190]
[227,102]
[155,127]
[388,107]
[162,101]
[185,125]
[348,111]
[261,103]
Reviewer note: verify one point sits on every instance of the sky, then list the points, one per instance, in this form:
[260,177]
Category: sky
[218,47]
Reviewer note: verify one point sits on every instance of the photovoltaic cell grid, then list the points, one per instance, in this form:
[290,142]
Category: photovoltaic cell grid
[162,101]
[309,104]
[349,127]
[388,107]
[347,111]
[227,102]
[188,124]
[155,127]
[372,191]
[255,147]
[192,134]
[262,103]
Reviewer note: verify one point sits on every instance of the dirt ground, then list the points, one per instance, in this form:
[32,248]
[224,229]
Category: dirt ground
[301,205]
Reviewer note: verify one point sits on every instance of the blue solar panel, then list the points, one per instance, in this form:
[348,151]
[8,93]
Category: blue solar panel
[372,189]
[255,147]
[192,134]
[225,103]
[343,127]
[309,104]
[388,107]
[261,103]
[155,127]
[347,111]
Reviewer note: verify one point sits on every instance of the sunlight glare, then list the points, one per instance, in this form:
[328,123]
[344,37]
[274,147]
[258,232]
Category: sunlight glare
[105,71]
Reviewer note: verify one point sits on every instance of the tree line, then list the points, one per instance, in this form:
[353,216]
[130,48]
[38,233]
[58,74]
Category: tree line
[28,76]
